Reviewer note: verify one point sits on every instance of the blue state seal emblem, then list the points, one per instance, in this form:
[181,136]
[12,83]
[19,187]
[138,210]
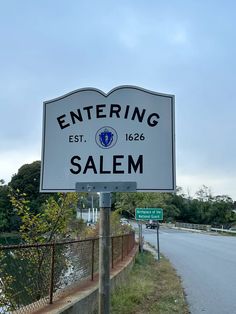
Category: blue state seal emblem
[106,137]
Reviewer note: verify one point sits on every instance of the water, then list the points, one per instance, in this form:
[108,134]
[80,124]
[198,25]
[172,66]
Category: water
[9,239]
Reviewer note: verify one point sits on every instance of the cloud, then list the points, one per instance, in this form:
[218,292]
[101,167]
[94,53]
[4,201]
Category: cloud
[219,185]
[179,48]
[12,160]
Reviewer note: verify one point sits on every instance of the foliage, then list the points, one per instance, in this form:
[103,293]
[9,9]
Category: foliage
[116,228]
[203,209]
[50,223]
[34,263]
[27,181]
[8,218]
[127,202]
[6,283]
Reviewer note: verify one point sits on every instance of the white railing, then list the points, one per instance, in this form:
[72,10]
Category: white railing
[223,230]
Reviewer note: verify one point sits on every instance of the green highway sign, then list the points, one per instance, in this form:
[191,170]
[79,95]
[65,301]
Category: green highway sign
[149,214]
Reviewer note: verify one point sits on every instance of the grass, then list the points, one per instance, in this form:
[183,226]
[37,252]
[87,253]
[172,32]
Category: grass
[152,287]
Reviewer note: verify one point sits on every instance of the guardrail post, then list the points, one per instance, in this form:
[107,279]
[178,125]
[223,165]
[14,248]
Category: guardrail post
[52,273]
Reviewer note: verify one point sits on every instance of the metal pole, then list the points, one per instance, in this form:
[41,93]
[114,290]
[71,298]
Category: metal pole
[158,243]
[89,216]
[80,204]
[96,215]
[141,232]
[104,253]
[140,237]
[92,203]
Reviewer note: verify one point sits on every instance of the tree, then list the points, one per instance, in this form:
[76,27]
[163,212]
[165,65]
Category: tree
[207,209]
[50,223]
[8,219]
[127,202]
[27,181]
[221,211]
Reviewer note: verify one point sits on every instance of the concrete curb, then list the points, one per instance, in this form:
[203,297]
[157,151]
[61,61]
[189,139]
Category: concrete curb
[147,247]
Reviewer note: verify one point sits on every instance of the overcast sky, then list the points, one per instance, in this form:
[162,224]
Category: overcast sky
[186,48]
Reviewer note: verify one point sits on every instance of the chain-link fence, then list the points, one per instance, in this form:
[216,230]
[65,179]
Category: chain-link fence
[33,275]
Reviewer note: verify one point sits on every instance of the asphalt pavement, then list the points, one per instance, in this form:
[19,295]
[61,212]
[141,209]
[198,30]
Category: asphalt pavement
[206,264]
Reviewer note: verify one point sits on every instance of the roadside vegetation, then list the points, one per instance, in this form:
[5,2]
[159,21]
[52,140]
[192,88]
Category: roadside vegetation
[29,216]
[202,208]
[24,273]
[152,288]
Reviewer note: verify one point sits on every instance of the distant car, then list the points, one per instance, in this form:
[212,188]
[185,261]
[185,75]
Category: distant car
[124,222]
[151,224]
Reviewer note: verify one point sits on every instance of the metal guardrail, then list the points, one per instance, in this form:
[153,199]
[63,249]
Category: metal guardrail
[202,227]
[223,230]
[34,275]
[193,226]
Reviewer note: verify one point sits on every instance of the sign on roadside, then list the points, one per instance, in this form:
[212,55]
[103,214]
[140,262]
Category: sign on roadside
[125,135]
[121,140]
[149,214]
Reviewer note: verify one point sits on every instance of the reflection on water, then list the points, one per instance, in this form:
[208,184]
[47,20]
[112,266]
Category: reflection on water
[9,239]
[25,272]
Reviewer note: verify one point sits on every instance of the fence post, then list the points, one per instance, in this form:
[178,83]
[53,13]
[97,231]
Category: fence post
[92,266]
[52,273]
[127,241]
[122,247]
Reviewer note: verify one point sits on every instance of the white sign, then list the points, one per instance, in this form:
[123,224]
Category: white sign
[125,135]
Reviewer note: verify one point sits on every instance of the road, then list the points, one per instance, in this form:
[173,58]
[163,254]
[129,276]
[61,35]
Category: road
[206,264]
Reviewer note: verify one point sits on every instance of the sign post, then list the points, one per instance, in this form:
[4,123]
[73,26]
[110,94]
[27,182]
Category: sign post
[121,141]
[151,214]
[105,190]
[140,237]
[158,242]
[104,253]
